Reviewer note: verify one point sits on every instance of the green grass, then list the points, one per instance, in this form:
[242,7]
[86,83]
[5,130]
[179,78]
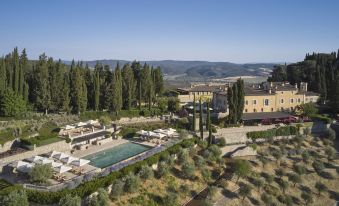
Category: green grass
[4,184]
[6,135]
[47,134]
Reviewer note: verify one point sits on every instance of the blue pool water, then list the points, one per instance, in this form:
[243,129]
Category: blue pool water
[115,154]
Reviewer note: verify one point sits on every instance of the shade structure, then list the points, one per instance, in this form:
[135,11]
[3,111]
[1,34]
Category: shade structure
[142,132]
[53,153]
[56,164]
[68,127]
[62,169]
[159,131]
[61,156]
[35,158]
[80,162]
[24,167]
[44,161]
[159,135]
[69,159]
[81,124]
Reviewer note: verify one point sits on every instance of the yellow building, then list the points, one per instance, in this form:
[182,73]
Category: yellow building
[204,91]
[269,97]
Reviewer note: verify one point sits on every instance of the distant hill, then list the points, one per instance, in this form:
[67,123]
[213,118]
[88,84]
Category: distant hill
[199,68]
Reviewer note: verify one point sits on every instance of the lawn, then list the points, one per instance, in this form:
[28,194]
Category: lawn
[48,134]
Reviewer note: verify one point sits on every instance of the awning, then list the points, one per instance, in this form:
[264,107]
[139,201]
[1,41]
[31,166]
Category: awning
[62,169]
[266,115]
[80,162]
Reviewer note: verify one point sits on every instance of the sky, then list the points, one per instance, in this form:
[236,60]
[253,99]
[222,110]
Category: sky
[240,31]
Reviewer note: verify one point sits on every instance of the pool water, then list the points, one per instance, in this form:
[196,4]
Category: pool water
[115,154]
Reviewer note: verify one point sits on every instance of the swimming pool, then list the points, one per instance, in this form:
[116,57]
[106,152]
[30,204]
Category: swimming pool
[115,154]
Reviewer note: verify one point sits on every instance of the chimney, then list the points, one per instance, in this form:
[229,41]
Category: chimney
[271,84]
[283,84]
[252,85]
[306,84]
[270,91]
[296,85]
[259,86]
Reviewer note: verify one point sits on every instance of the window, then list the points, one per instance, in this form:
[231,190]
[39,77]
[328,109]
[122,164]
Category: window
[245,110]
[282,108]
[282,101]
[272,110]
[291,100]
[246,102]
[282,92]
[254,101]
[254,110]
[299,100]
[266,102]
[311,99]
[262,109]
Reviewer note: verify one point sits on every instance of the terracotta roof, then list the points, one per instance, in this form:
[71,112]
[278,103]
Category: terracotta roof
[204,88]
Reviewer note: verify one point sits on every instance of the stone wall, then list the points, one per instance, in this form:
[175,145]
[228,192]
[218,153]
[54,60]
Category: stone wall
[60,146]
[8,145]
[236,135]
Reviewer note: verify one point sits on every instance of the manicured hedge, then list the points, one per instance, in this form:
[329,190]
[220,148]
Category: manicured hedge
[87,188]
[281,131]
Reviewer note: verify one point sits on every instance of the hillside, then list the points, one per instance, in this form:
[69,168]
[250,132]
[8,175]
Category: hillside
[200,68]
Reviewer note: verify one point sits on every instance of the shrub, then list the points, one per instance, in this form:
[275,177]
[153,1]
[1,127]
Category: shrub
[101,199]
[221,142]
[245,191]
[117,188]
[69,200]
[163,169]
[15,198]
[41,173]
[131,183]
[294,178]
[188,170]
[241,168]
[307,197]
[321,187]
[281,131]
[206,174]
[299,169]
[170,199]
[145,172]
[318,165]
[267,199]
[259,183]
[200,162]
[322,118]
[211,192]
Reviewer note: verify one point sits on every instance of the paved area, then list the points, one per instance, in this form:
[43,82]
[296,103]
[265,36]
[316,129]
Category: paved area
[97,148]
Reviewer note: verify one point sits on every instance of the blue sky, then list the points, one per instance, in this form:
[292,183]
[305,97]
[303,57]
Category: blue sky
[214,30]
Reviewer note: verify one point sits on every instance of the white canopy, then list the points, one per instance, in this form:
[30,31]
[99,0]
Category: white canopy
[80,124]
[80,162]
[69,159]
[24,166]
[62,169]
[159,135]
[35,158]
[53,153]
[159,131]
[44,161]
[56,164]
[61,156]
[68,127]
[92,122]
[142,132]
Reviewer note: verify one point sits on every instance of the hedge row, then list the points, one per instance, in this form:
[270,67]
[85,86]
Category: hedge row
[89,187]
[123,113]
[281,131]
[322,118]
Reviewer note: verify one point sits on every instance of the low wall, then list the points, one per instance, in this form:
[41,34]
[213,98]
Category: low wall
[60,146]
[8,145]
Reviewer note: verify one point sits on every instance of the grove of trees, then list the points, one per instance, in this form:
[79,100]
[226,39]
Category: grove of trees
[319,70]
[47,85]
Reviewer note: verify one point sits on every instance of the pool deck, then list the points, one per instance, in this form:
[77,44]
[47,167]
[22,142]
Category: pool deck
[97,148]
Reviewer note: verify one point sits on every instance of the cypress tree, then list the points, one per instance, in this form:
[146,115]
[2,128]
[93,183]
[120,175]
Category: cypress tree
[2,76]
[241,99]
[231,107]
[43,85]
[194,115]
[201,127]
[16,70]
[128,86]
[23,68]
[96,85]
[208,124]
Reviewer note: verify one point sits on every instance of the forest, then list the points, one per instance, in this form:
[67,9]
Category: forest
[320,71]
[46,85]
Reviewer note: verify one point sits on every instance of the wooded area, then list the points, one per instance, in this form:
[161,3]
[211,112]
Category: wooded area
[47,85]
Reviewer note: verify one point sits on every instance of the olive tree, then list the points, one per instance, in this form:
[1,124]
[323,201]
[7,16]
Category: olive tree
[321,187]
[241,168]
[15,198]
[41,173]
[132,183]
[117,188]
[188,170]
[146,172]
[69,200]
[245,191]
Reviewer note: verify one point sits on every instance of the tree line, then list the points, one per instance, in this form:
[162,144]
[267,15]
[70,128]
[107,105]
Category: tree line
[319,70]
[52,86]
